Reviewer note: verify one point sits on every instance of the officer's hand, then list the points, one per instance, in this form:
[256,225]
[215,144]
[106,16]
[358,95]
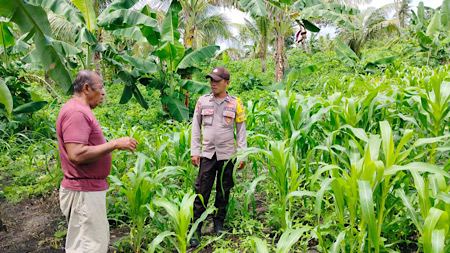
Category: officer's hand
[126,143]
[195,160]
[241,165]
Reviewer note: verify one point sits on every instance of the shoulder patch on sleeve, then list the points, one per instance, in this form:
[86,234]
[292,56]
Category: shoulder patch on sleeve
[240,111]
[197,107]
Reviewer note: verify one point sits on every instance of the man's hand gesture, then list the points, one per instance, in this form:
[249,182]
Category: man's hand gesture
[126,143]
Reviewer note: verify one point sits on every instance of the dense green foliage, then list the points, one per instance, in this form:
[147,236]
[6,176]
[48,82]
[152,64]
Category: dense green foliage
[349,152]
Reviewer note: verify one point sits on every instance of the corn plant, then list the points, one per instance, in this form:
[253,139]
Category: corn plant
[138,187]
[370,179]
[250,190]
[284,172]
[431,218]
[435,106]
[180,216]
[284,244]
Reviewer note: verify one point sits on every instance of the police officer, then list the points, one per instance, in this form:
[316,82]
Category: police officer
[218,113]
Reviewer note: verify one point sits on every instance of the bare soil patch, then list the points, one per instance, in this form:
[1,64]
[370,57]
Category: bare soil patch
[30,225]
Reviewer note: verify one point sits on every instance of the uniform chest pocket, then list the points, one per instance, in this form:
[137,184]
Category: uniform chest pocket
[228,118]
[207,116]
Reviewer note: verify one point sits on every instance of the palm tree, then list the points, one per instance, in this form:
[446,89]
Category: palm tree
[201,21]
[403,11]
[353,3]
[260,33]
[284,14]
[204,27]
[368,25]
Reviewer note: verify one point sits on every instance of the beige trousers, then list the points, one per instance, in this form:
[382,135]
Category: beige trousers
[88,227]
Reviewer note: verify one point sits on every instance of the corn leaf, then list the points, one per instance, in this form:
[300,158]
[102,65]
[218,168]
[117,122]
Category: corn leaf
[410,209]
[158,239]
[436,218]
[288,238]
[259,245]
[438,240]
[419,167]
[324,186]
[366,199]
[336,245]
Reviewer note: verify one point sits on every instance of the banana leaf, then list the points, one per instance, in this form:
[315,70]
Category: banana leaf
[63,8]
[87,10]
[176,108]
[195,87]
[5,97]
[6,37]
[310,26]
[117,5]
[30,107]
[33,20]
[434,26]
[125,19]
[198,56]
[256,7]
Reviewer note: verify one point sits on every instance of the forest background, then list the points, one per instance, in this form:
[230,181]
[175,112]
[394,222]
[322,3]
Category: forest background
[348,135]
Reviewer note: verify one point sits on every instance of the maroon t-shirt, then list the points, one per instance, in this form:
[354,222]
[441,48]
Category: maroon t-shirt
[77,124]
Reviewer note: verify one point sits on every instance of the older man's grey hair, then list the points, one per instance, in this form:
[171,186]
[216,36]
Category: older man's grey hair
[83,76]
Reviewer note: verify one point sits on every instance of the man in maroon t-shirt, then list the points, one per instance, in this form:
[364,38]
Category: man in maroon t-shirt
[86,162]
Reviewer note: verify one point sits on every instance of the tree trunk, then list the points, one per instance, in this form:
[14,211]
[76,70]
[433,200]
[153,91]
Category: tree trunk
[188,43]
[280,58]
[397,11]
[189,38]
[98,56]
[263,61]
[262,55]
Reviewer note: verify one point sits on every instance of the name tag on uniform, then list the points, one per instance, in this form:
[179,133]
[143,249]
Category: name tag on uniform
[207,111]
[229,114]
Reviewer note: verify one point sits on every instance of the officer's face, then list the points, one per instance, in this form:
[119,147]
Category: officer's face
[219,88]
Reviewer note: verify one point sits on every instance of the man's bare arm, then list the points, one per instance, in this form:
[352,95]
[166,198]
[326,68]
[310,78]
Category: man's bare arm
[81,153]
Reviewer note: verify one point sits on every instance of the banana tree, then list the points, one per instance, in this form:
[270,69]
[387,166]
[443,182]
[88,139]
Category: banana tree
[6,39]
[82,16]
[174,61]
[433,37]
[32,20]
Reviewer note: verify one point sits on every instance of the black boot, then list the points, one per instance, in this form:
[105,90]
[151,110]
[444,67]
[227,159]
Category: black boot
[218,228]
[195,239]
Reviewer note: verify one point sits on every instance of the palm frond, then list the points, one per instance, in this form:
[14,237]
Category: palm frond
[62,29]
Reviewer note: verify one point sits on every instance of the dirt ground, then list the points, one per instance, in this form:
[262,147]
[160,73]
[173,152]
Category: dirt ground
[30,225]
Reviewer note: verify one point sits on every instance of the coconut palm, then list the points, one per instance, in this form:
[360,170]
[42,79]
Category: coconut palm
[368,25]
[353,3]
[205,28]
[201,21]
[403,11]
[258,31]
